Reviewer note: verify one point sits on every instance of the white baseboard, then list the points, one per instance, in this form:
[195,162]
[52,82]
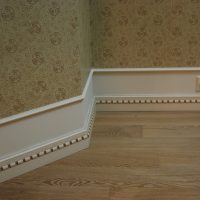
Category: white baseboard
[40,136]
[163,89]
[42,160]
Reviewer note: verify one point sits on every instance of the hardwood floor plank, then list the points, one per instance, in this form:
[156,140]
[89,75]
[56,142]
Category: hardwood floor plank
[187,131]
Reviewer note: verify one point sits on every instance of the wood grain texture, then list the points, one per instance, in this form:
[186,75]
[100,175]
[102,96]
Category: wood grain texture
[133,155]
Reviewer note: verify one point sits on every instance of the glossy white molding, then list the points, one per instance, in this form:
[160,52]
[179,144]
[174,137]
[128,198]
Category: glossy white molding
[42,134]
[52,152]
[34,138]
[155,89]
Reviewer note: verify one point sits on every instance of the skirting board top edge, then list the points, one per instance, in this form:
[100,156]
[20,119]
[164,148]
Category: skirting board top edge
[160,69]
[40,110]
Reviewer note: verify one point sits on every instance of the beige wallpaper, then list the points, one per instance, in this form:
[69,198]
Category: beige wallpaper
[44,52]
[146,33]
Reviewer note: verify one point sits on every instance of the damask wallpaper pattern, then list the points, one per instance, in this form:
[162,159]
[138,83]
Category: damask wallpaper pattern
[45,45]
[146,33]
[44,52]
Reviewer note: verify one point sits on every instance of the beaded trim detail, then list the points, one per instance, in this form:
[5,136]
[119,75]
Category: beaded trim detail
[53,148]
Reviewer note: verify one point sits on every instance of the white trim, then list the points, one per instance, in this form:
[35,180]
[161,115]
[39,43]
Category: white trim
[39,136]
[57,145]
[128,83]
[147,99]
[148,103]
[52,151]
[39,161]
[44,133]
[50,144]
[163,69]
[144,89]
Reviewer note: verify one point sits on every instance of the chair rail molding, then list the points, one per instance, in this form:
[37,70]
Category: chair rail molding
[40,136]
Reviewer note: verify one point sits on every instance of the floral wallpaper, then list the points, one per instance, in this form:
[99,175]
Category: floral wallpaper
[48,46]
[44,52]
[145,33]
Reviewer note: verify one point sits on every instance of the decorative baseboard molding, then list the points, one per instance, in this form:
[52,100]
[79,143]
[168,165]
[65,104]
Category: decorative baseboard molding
[44,152]
[146,100]
[124,103]
[40,136]
[55,146]
[51,152]
[163,89]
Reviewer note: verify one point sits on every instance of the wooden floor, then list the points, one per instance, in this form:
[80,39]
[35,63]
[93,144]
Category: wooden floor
[133,155]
